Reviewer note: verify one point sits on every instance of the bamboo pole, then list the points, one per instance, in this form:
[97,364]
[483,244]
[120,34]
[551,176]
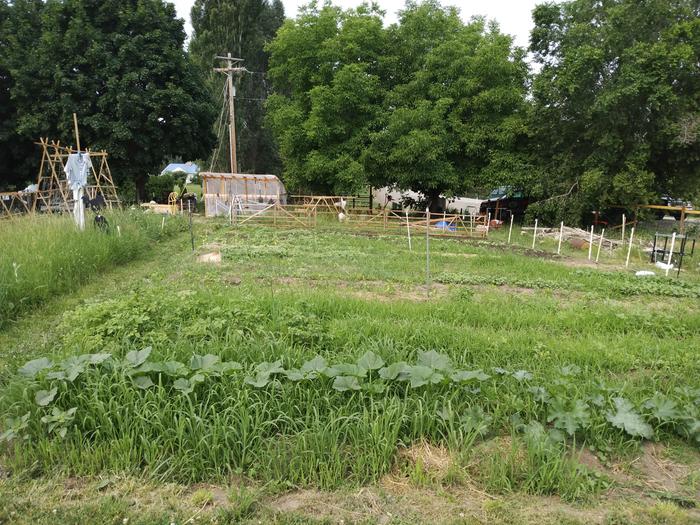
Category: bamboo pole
[600,244]
[561,235]
[590,244]
[534,235]
[77,135]
[629,248]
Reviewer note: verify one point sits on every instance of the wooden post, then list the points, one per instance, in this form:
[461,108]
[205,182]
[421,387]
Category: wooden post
[561,235]
[488,223]
[670,253]
[77,136]
[510,230]
[629,248]
[408,229]
[624,222]
[590,244]
[600,244]
[534,235]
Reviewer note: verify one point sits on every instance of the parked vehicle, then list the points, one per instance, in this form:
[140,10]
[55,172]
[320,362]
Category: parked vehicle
[665,200]
[505,201]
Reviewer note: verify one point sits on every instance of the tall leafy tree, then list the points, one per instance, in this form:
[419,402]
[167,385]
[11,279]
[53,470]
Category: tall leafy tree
[617,100]
[456,117]
[326,69]
[243,28]
[120,65]
[429,104]
[19,26]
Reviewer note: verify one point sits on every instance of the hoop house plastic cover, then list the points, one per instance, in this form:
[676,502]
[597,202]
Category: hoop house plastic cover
[246,192]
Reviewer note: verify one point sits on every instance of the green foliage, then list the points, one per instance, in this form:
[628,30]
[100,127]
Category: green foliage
[464,412]
[325,71]
[459,121]
[49,256]
[627,419]
[122,70]
[429,104]
[158,187]
[455,374]
[13,428]
[615,101]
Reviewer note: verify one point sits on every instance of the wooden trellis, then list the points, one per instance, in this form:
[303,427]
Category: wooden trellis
[53,195]
[13,203]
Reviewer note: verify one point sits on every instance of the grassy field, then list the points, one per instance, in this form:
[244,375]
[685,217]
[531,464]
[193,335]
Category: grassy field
[45,255]
[319,377]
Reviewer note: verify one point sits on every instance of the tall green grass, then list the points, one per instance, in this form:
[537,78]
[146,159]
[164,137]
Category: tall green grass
[43,256]
[579,337]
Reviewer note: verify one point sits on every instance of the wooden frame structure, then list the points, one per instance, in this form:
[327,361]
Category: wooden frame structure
[364,220]
[15,203]
[683,215]
[53,195]
[329,203]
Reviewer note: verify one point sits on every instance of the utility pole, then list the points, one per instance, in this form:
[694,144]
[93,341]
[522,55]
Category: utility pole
[232,66]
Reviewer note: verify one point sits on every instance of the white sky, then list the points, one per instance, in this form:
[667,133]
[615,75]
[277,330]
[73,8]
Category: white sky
[514,16]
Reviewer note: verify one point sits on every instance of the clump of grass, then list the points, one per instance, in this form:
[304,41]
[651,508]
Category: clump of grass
[43,256]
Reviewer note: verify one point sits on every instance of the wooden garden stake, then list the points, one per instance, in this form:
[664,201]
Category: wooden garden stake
[534,235]
[590,244]
[629,248]
[510,230]
[488,223]
[561,234]
[600,244]
[624,222]
[77,136]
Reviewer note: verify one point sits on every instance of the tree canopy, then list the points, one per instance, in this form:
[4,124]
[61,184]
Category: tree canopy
[120,65]
[617,99]
[429,104]
[455,117]
[242,28]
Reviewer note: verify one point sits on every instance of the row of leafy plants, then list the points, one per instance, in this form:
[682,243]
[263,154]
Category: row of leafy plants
[617,284]
[48,388]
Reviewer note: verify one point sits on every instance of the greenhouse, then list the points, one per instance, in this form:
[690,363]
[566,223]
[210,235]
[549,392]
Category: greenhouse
[242,193]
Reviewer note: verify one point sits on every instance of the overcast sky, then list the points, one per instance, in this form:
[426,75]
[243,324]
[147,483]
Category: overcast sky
[514,16]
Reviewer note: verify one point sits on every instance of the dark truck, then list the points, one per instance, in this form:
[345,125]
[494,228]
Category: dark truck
[665,200]
[504,202]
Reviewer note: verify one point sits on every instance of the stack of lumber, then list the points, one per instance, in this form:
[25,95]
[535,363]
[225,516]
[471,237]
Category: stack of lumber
[576,236]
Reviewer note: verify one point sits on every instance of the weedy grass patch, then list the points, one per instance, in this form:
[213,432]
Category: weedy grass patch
[44,256]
